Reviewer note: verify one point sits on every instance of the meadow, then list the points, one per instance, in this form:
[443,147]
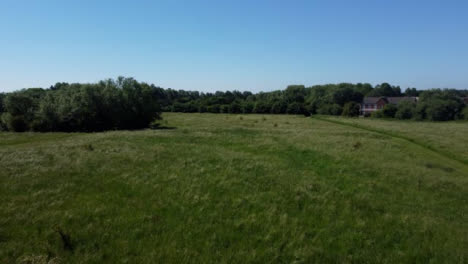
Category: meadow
[216,188]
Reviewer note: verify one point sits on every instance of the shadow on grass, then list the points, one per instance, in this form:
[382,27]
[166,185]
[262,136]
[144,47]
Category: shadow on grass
[164,128]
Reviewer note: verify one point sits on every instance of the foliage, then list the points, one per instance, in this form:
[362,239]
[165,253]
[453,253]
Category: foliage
[406,110]
[125,103]
[112,104]
[389,110]
[385,89]
[327,109]
[378,114]
[465,113]
[351,109]
[155,124]
[295,108]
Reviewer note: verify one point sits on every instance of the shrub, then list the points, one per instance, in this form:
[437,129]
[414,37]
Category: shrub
[15,123]
[405,110]
[155,124]
[465,113]
[247,107]
[120,104]
[441,110]
[225,109]
[261,107]
[420,111]
[19,110]
[278,107]
[295,109]
[235,108]
[351,109]
[330,109]
[389,110]
[378,114]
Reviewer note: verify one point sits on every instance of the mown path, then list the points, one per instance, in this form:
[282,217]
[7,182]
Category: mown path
[428,147]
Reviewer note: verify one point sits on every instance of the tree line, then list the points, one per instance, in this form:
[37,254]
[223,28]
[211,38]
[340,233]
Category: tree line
[125,103]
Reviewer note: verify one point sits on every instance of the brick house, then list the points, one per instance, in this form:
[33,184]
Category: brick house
[372,104]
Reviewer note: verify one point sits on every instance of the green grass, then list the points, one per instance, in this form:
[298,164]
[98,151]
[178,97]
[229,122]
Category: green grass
[237,189]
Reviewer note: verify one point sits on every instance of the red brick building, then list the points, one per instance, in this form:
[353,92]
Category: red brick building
[372,104]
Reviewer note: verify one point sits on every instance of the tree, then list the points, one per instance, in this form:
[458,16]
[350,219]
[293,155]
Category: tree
[411,92]
[343,95]
[330,109]
[440,105]
[385,89]
[295,108]
[262,107]
[279,107]
[247,107]
[295,93]
[351,109]
[389,110]
[213,108]
[2,97]
[377,114]
[225,109]
[235,107]
[19,108]
[406,110]
[465,113]
[440,110]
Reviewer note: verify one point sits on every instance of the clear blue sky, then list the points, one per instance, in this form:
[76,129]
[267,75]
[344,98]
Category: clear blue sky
[224,45]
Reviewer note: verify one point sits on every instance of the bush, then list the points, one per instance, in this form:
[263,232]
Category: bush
[465,113]
[278,107]
[247,107]
[155,124]
[406,110]
[440,105]
[420,111]
[235,108]
[330,109]
[295,109]
[15,123]
[378,114]
[120,104]
[2,125]
[389,110]
[226,109]
[351,109]
[213,109]
[262,107]
[442,110]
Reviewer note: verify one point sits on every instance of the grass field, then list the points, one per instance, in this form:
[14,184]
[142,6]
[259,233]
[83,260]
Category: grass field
[238,189]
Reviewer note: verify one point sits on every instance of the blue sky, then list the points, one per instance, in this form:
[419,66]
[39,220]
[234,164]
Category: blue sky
[224,45]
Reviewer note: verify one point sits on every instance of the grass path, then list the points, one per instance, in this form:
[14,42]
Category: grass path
[428,147]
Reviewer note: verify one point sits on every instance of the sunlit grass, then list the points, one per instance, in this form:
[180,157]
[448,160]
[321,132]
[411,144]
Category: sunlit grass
[234,189]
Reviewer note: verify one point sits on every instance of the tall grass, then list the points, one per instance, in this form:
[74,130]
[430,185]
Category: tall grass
[238,190]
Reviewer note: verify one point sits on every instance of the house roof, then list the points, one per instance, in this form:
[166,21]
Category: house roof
[371,100]
[391,100]
[396,100]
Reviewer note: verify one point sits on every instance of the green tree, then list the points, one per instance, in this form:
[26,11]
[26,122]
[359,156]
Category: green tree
[247,107]
[295,108]
[465,113]
[389,110]
[406,110]
[351,109]
[330,109]
[20,108]
[279,107]
[235,107]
